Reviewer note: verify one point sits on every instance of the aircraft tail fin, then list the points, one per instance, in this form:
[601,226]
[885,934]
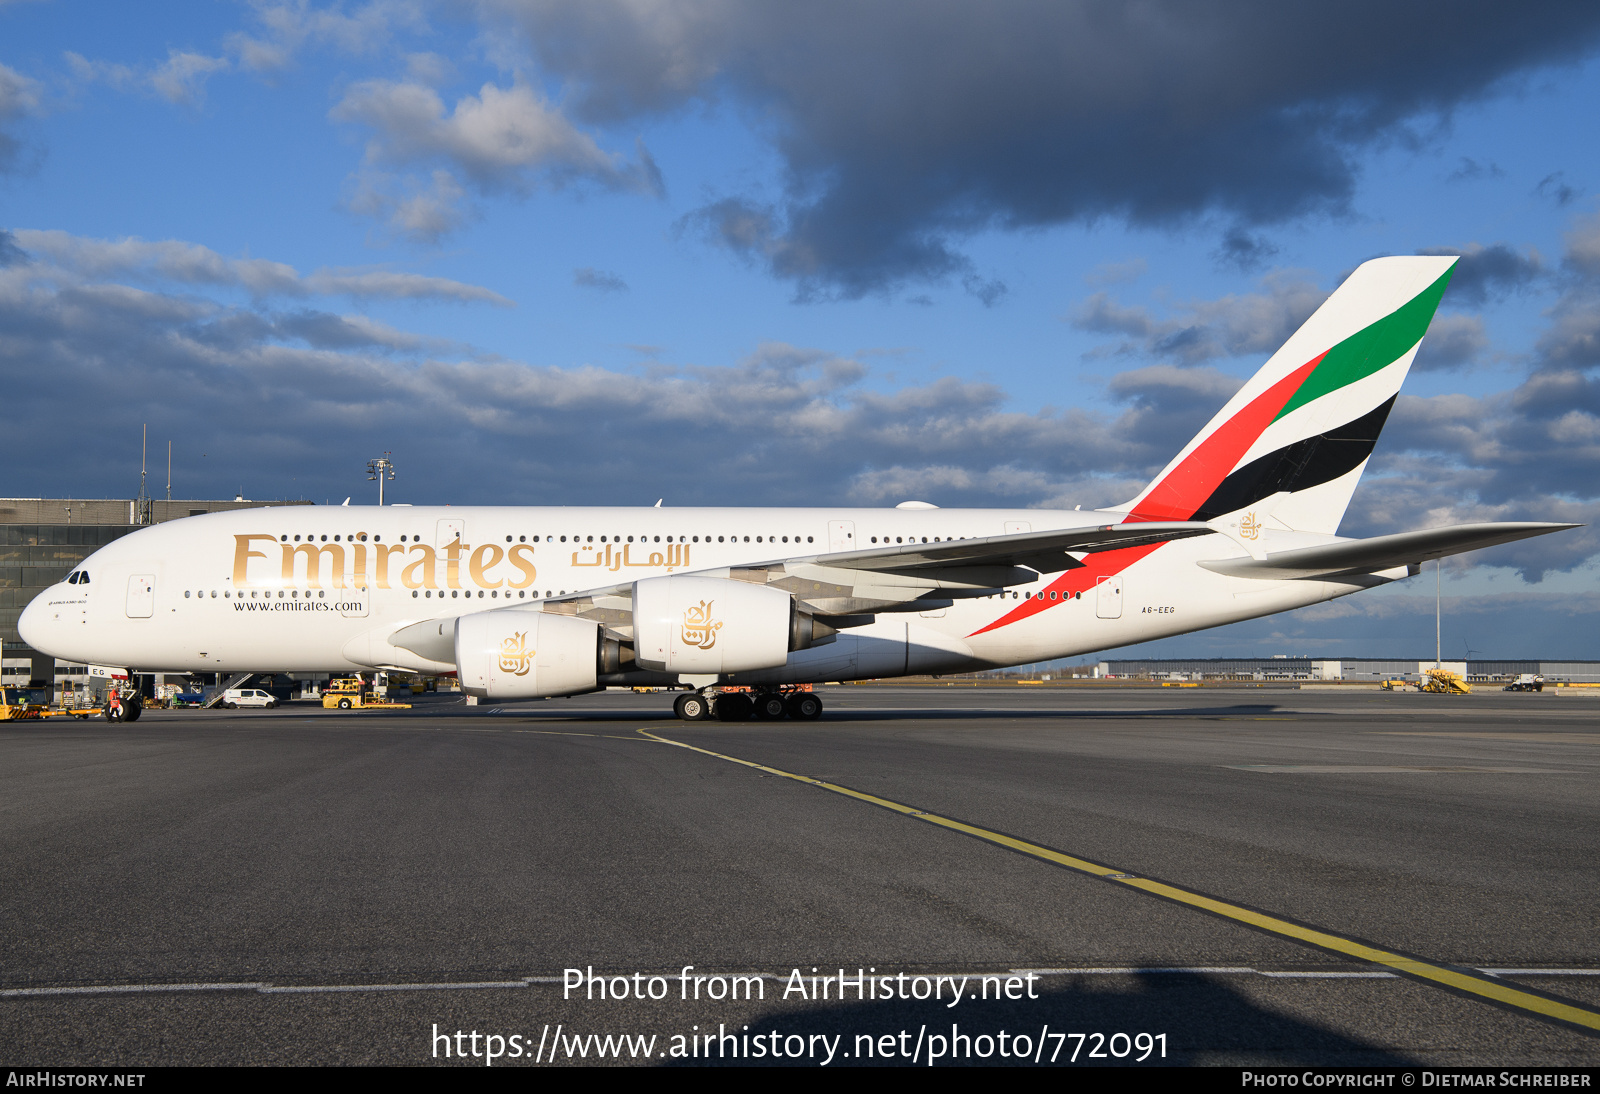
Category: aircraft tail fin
[1306,423]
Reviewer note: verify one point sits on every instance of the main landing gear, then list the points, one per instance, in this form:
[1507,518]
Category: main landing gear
[738,706]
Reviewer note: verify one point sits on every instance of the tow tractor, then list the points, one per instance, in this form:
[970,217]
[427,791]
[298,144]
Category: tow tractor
[354,693]
[1528,681]
[17,705]
[32,704]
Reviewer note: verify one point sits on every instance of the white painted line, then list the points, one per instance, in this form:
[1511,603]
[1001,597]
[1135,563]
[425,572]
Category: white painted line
[124,989]
[1212,969]
[315,989]
[264,988]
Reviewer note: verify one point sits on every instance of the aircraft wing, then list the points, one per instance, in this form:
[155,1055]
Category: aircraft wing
[1047,552]
[1365,556]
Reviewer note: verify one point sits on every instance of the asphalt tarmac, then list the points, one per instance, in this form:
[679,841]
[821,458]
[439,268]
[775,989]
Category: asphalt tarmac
[1194,876]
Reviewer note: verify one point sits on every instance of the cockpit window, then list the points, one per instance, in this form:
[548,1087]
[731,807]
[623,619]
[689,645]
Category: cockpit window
[83,577]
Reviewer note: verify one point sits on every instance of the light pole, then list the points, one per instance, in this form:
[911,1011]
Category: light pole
[380,469]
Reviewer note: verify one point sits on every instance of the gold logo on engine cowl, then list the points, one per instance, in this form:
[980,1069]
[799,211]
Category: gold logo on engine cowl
[1250,527]
[698,627]
[515,657]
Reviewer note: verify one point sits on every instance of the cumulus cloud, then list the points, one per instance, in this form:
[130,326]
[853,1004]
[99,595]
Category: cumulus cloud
[423,212]
[19,97]
[180,79]
[905,127]
[504,139]
[1452,342]
[1203,330]
[283,29]
[784,425]
[194,264]
[1554,187]
[1486,273]
[588,277]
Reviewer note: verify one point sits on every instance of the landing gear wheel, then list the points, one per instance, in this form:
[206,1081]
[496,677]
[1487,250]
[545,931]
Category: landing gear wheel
[805,706]
[771,707]
[131,711]
[734,707]
[692,707]
[113,714]
[344,704]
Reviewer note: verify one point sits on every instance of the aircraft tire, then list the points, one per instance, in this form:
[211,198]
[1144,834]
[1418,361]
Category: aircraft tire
[734,708]
[771,707]
[113,714]
[131,711]
[692,708]
[805,706]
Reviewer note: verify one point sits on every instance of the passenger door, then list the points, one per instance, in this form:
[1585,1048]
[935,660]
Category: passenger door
[449,532]
[141,596]
[1108,598]
[841,535]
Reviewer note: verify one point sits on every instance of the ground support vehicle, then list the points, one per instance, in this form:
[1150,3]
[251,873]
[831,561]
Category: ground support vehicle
[17,705]
[234,698]
[1528,681]
[1444,682]
[353,693]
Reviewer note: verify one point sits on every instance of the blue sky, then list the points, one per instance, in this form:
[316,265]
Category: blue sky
[557,253]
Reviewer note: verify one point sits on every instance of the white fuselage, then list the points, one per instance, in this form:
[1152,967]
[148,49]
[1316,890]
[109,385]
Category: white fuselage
[319,589]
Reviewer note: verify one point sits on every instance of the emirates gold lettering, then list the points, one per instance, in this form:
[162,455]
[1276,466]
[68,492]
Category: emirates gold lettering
[419,574]
[380,556]
[529,574]
[452,569]
[242,554]
[314,553]
[318,565]
[478,564]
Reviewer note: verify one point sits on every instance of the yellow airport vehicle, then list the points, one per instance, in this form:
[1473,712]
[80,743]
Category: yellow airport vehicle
[1444,682]
[353,693]
[15,706]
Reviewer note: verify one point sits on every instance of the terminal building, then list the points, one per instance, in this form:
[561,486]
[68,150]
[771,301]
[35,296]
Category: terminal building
[1369,670]
[43,539]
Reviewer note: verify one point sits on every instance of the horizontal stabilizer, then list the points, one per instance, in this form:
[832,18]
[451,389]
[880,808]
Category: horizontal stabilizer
[1046,552]
[1365,556]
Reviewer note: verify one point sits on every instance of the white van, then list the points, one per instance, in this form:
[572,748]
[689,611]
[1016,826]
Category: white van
[234,698]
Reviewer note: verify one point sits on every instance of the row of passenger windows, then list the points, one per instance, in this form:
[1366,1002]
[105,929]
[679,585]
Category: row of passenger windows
[226,594]
[361,537]
[913,539]
[494,594]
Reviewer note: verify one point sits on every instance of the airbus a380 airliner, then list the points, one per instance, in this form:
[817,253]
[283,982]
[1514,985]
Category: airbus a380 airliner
[525,603]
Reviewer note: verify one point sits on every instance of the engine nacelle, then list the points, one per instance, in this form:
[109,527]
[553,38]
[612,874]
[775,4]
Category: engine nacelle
[526,655]
[706,625]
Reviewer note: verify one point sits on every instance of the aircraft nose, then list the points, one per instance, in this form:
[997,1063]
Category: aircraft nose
[34,625]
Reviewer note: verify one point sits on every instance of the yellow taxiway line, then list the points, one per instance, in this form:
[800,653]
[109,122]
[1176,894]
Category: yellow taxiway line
[1483,987]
